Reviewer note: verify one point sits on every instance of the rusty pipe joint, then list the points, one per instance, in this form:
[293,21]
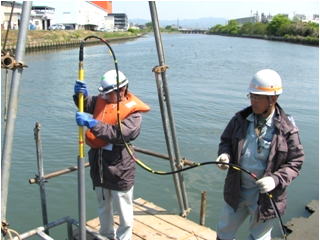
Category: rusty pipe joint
[9,62]
[160,69]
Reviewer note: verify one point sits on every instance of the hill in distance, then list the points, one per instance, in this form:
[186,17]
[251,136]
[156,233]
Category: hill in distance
[200,23]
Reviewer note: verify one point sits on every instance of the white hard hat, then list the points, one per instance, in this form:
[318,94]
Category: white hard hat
[109,81]
[266,82]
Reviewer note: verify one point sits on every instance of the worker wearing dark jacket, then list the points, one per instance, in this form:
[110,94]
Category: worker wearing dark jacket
[112,168]
[265,141]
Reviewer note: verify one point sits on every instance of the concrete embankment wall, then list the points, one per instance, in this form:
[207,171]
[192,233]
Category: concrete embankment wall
[35,46]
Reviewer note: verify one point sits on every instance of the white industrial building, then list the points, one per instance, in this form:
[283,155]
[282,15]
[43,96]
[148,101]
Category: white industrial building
[89,15]
[6,7]
[82,15]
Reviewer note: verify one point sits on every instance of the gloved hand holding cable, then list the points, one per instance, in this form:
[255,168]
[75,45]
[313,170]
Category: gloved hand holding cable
[223,158]
[266,184]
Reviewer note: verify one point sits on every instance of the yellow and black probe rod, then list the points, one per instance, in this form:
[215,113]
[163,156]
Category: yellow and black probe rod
[81,166]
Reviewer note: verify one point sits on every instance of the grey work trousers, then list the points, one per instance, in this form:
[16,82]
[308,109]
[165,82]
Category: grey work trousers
[121,202]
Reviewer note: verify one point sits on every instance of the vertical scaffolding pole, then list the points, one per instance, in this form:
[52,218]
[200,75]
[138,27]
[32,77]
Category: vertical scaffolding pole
[12,108]
[81,167]
[167,118]
[41,179]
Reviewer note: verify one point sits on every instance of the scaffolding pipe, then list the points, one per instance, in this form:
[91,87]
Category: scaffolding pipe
[166,128]
[203,207]
[87,164]
[178,178]
[41,180]
[68,220]
[43,228]
[13,107]
[57,173]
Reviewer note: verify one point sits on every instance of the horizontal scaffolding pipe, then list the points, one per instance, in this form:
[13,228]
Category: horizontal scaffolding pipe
[74,168]
[39,230]
[42,228]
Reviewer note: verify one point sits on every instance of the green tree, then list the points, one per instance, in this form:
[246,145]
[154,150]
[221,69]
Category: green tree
[233,27]
[246,28]
[278,22]
[149,25]
[259,29]
[169,28]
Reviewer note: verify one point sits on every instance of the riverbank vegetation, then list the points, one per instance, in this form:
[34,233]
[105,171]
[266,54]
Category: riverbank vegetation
[47,36]
[280,28]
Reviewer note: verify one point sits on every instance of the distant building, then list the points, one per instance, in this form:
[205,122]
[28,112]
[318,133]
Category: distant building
[106,5]
[252,19]
[315,18]
[41,17]
[89,15]
[120,21]
[109,23]
[6,7]
[265,18]
[299,17]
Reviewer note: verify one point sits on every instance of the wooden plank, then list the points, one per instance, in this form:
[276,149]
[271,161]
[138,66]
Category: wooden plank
[185,224]
[148,233]
[152,222]
[139,232]
[172,231]
[95,224]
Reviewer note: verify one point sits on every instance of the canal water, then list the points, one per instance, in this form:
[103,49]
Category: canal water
[208,77]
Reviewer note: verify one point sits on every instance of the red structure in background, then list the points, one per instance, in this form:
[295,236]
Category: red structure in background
[106,5]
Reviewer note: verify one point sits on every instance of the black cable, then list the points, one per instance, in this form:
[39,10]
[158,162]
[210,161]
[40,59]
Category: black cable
[144,166]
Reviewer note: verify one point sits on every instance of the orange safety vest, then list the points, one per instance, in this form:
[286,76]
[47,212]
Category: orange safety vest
[107,113]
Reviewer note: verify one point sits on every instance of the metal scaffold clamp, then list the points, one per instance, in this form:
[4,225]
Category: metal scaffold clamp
[4,228]
[160,69]
[8,61]
[7,233]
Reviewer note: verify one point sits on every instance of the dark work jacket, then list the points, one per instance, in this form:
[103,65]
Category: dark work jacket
[117,166]
[283,165]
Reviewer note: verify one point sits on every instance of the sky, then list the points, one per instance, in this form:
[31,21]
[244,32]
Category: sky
[216,8]
[183,9]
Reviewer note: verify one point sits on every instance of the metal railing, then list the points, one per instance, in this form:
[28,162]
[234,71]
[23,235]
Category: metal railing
[41,231]
[42,178]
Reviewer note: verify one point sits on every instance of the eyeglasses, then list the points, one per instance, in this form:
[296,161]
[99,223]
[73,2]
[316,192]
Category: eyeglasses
[255,97]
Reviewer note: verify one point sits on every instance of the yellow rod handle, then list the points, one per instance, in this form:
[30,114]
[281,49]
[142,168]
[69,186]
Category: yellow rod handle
[81,72]
[81,109]
[81,131]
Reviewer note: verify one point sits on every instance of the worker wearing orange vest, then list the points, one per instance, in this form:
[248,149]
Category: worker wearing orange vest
[112,168]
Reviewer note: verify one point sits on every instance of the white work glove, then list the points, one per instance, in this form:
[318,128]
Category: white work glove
[266,184]
[223,158]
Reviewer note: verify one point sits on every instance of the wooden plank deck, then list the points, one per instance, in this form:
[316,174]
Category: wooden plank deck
[155,223]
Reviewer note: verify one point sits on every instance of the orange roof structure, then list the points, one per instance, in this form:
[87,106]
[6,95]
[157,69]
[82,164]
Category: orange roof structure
[106,5]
